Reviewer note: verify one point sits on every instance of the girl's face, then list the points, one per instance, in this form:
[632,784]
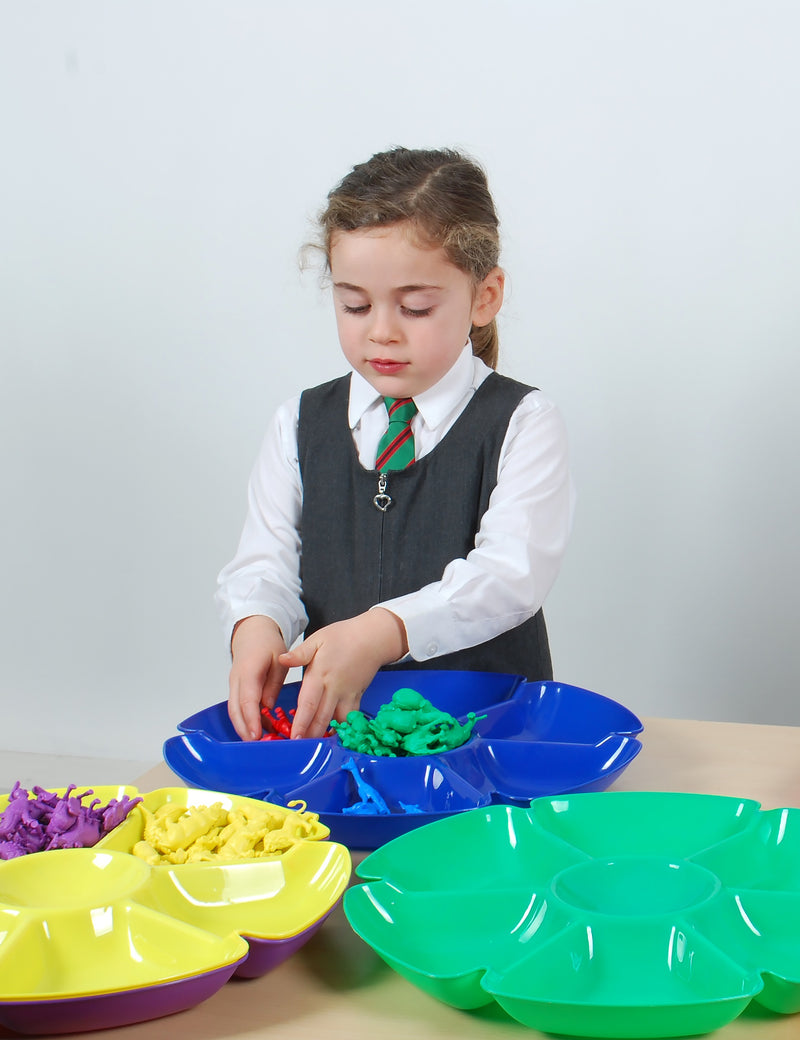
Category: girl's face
[403,311]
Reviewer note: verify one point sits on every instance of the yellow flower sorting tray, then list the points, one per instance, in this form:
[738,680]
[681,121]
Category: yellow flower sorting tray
[84,933]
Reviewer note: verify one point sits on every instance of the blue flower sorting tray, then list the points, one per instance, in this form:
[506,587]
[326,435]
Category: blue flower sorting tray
[532,739]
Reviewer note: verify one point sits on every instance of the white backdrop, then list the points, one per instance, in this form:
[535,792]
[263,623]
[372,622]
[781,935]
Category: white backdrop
[161,164]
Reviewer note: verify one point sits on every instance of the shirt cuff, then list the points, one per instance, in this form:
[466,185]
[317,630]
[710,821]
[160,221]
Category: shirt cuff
[282,618]
[429,621]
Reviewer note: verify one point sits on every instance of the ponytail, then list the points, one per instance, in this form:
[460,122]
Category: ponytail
[486,343]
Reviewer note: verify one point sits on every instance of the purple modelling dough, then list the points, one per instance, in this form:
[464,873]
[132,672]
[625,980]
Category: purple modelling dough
[52,821]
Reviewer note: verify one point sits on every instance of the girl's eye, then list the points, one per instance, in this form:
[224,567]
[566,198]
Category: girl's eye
[355,310]
[417,313]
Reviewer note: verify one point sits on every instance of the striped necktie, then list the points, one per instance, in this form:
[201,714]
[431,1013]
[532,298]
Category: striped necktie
[396,447]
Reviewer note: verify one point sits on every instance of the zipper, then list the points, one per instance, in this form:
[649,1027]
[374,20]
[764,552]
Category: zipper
[381,501]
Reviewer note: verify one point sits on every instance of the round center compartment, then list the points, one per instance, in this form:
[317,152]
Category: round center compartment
[634,886]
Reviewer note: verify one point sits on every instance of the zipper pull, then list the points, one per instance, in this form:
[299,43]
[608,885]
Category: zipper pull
[382,500]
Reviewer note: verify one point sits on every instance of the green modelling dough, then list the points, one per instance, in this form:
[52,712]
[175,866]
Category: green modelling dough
[407,725]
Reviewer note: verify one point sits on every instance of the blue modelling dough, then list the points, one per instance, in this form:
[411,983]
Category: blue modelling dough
[372,802]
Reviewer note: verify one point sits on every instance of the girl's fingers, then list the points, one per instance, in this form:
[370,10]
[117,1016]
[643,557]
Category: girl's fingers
[307,705]
[273,686]
[322,720]
[328,707]
[251,710]
[244,703]
[312,703]
[241,723]
[319,724]
[236,716]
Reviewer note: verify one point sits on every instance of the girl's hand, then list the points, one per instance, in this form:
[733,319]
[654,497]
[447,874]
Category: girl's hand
[256,673]
[340,661]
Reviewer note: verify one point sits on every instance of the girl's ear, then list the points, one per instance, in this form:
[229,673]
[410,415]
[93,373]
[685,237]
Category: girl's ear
[488,297]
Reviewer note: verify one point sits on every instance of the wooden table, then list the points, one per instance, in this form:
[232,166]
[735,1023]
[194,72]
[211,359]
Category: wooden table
[337,987]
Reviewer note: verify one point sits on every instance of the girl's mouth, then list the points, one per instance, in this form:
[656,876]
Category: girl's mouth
[385,366]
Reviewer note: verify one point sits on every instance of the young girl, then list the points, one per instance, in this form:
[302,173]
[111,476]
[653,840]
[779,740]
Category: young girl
[414,512]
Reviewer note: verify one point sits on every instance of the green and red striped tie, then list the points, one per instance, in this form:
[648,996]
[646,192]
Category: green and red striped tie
[396,447]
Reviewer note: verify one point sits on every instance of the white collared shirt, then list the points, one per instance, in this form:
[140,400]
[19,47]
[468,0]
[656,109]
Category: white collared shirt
[518,549]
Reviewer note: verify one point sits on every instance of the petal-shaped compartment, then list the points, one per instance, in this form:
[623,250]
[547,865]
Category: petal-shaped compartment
[764,855]
[104,792]
[262,898]
[108,948]
[456,692]
[653,977]
[517,771]
[644,823]
[420,783]
[132,829]
[554,711]
[249,768]
[444,942]
[498,847]
[365,802]
[763,928]
[67,878]
[99,795]
[214,722]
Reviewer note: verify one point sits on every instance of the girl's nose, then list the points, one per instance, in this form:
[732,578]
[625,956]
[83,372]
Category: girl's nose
[384,327]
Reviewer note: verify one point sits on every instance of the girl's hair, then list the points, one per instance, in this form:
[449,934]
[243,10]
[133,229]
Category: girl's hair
[443,195]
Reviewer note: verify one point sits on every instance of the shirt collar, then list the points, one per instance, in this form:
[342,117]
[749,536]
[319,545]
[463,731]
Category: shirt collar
[434,404]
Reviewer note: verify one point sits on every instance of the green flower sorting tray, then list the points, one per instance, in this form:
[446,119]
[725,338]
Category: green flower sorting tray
[615,914]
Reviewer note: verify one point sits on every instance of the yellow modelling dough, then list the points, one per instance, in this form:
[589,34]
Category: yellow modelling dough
[175,834]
